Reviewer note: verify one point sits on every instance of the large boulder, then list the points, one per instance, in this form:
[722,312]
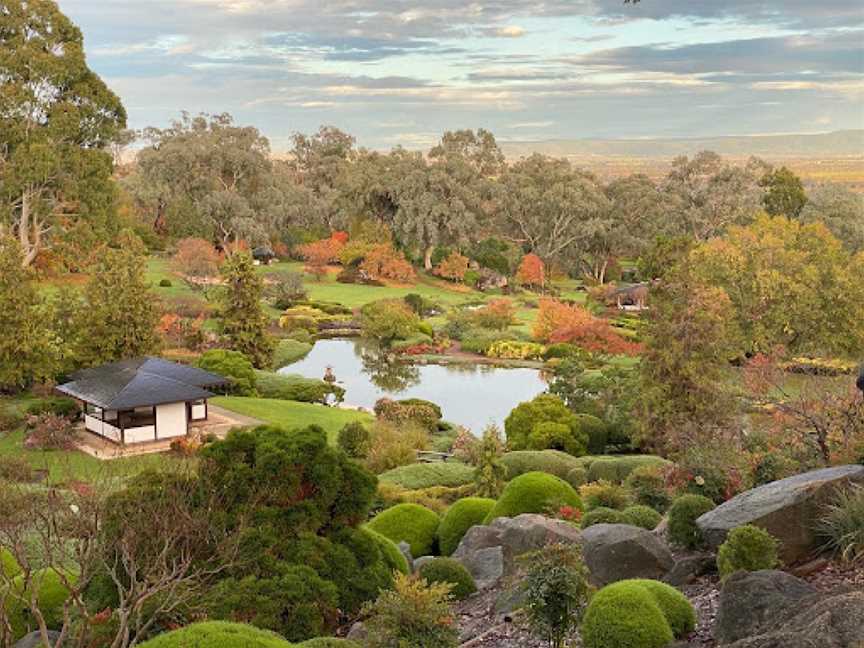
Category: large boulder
[616,552]
[489,552]
[788,509]
[34,639]
[772,609]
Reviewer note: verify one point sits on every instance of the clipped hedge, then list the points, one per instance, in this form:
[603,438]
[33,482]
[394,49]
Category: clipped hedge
[553,462]
[533,492]
[618,468]
[427,475]
[217,634]
[411,523]
[393,558]
[447,570]
[459,518]
[642,516]
[636,614]
[295,387]
[603,515]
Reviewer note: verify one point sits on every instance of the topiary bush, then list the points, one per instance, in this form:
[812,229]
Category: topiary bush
[597,433]
[576,476]
[51,594]
[553,462]
[604,493]
[393,557]
[295,387]
[354,439]
[410,523]
[636,614]
[747,548]
[602,515]
[232,365]
[545,423]
[682,520]
[217,634]
[459,518]
[447,570]
[618,468]
[59,406]
[427,475]
[648,487]
[533,492]
[641,516]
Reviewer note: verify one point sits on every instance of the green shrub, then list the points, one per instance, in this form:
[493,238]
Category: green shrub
[533,492]
[553,462]
[682,519]
[232,365]
[527,427]
[295,387]
[460,517]
[602,515]
[560,350]
[9,567]
[217,634]
[354,439]
[387,320]
[327,642]
[597,433]
[59,406]
[576,476]
[618,468]
[420,305]
[642,516]
[390,553]
[51,594]
[165,283]
[426,475]
[604,493]
[475,340]
[747,548]
[636,614]
[289,351]
[410,523]
[841,525]
[15,469]
[409,410]
[447,570]
[513,350]
[648,487]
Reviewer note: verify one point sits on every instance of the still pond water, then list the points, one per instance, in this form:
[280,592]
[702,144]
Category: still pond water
[469,395]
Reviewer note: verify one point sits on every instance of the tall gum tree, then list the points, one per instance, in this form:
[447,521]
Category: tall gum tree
[57,120]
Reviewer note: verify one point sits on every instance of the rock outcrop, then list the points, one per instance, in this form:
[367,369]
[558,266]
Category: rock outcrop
[616,552]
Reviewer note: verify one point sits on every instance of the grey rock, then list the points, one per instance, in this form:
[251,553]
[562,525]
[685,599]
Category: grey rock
[689,568]
[422,560]
[405,548]
[749,601]
[529,532]
[486,565]
[357,632]
[788,509]
[34,639]
[511,599]
[616,552]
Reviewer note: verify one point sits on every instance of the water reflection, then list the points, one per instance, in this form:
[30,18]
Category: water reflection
[470,395]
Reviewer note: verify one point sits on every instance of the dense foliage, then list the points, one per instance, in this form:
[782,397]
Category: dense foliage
[746,548]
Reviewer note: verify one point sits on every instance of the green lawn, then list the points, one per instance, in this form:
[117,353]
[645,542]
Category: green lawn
[291,414]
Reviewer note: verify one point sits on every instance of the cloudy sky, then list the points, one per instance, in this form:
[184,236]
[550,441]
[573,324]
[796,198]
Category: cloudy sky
[402,71]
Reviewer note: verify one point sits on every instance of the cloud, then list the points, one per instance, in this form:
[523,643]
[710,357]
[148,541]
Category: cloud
[511,31]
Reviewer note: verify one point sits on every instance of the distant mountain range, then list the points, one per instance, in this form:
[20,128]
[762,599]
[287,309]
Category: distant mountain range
[846,143]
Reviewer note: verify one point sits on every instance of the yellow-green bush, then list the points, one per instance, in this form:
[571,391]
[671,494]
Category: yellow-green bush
[682,519]
[533,492]
[409,523]
[217,634]
[394,559]
[513,350]
[459,518]
[747,548]
[51,594]
[447,570]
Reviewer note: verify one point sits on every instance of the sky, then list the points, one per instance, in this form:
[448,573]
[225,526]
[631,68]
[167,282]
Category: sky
[401,72]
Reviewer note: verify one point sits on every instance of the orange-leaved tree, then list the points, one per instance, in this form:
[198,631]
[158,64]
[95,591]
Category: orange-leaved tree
[560,322]
[196,257]
[319,254]
[384,262]
[453,267]
[532,271]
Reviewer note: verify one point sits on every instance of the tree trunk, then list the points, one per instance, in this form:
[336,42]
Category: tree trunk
[26,229]
[427,257]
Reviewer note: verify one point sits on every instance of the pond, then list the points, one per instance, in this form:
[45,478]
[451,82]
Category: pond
[470,395]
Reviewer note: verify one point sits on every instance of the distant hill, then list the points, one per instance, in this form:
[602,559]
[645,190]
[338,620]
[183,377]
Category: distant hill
[838,144]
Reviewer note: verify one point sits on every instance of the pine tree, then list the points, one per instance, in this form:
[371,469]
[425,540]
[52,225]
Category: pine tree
[119,316]
[243,322]
[26,345]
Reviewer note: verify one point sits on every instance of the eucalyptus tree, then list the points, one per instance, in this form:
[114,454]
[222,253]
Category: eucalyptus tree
[57,120]
[841,210]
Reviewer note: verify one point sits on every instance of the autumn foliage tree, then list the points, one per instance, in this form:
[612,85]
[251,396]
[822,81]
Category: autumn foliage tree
[196,257]
[532,271]
[453,267]
[559,322]
[384,262]
[319,254]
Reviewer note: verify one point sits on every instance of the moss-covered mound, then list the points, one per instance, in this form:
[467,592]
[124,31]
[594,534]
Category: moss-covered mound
[393,558]
[9,567]
[427,475]
[447,570]
[217,634]
[533,492]
[51,595]
[410,523]
[603,515]
[618,468]
[641,516]
[553,462]
[636,614]
[459,518]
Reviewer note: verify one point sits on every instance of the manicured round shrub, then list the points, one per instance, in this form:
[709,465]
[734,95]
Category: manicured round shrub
[533,492]
[648,486]
[447,570]
[426,475]
[560,436]
[597,433]
[682,519]
[8,565]
[604,493]
[553,462]
[354,439]
[747,548]
[636,614]
[393,558]
[576,476]
[527,426]
[460,517]
[410,523]
[602,515]
[618,468]
[217,634]
[51,595]
[164,283]
[642,516]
